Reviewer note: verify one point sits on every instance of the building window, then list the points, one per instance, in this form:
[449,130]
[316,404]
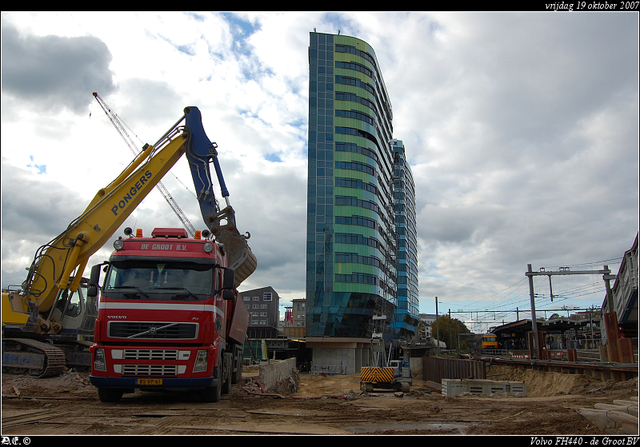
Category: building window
[355,166]
[354,114]
[356,183]
[361,278]
[345,96]
[354,66]
[354,201]
[266,296]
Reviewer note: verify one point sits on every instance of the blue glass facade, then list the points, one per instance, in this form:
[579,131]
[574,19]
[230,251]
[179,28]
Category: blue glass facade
[405,322]
[351,230]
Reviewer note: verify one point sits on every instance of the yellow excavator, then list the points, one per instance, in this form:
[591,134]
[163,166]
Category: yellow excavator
[48,323]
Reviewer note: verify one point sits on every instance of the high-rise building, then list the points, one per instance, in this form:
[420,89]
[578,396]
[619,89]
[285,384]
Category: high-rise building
[405,322]
[351,223]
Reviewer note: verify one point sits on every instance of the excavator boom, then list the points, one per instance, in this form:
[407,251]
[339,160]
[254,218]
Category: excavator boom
[54,264]
[221,223]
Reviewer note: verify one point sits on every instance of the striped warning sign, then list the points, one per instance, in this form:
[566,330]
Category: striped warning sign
[376,374]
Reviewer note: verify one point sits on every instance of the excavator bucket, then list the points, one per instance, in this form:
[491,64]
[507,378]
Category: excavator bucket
[239,254]
[200,153]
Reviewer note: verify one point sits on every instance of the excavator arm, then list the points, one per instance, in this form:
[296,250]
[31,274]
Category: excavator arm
[55,263]
[221,222]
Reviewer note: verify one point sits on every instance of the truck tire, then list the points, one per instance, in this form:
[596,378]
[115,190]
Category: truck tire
[110,394]
[236,373]
[227,365]
[214,393]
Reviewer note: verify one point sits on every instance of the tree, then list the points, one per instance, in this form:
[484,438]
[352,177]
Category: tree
[451,331]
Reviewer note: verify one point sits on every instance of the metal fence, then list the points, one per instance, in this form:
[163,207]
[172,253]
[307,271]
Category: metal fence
[435,369]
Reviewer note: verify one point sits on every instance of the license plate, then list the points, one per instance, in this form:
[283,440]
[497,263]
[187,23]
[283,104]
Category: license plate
[149,381]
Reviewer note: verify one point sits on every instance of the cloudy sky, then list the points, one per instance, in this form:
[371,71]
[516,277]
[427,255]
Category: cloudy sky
[521,130]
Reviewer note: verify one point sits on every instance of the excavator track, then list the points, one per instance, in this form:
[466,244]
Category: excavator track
[54,358]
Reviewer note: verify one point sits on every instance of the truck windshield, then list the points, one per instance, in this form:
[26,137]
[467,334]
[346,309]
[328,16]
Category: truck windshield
[160,280]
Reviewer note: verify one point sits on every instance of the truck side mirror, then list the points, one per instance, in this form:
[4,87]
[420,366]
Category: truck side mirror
[228,281]
[94,280]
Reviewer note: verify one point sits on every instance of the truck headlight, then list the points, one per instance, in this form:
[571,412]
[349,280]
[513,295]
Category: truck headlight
[201,362]
[99,362]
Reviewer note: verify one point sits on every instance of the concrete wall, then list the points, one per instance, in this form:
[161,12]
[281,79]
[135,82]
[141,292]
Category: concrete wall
[279,376]
[347,360]
[415,365]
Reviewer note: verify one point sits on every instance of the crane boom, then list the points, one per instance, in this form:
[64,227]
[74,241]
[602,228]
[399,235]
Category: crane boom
[120,127]
[54,263]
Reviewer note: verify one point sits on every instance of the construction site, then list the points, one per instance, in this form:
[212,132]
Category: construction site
[276,399]
[540,389]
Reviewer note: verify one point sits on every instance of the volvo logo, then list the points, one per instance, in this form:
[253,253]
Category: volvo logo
[153,330]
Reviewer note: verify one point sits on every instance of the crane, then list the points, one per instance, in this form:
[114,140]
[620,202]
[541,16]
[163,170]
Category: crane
[120,127]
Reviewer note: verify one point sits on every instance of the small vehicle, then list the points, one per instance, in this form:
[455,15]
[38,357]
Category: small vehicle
[489,341]
[395,376]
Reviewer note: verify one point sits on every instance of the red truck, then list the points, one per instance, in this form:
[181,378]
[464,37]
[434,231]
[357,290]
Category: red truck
[169,316]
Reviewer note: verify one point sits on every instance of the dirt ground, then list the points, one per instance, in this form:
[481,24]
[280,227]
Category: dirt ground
[323,405]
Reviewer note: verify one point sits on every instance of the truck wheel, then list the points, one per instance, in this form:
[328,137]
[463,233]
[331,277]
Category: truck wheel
[227,364]
[214,393]
[109,394]
[236,372]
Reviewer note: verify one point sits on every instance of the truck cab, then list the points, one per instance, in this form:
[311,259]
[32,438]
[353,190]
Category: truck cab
[168,317]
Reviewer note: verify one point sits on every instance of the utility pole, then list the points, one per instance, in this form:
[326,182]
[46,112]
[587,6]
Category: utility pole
[450,341]
[534,325]
[563,271]
[437,342]
[607,277]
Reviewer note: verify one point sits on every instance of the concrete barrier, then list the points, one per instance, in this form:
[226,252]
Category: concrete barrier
[611,421]
[279,376]
[455,387]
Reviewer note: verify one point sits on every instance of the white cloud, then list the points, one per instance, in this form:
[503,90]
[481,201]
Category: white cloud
[521,129]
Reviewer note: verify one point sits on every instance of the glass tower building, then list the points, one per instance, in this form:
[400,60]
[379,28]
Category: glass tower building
[405,322]
[351,249]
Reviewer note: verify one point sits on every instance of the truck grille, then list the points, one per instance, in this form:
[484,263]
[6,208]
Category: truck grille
[150,354]
[150,370]
[153,330]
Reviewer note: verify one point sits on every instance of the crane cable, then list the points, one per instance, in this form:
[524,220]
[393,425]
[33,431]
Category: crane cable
[120,127]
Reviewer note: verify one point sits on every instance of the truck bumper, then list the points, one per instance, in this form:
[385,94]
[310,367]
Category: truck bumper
[167,383]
